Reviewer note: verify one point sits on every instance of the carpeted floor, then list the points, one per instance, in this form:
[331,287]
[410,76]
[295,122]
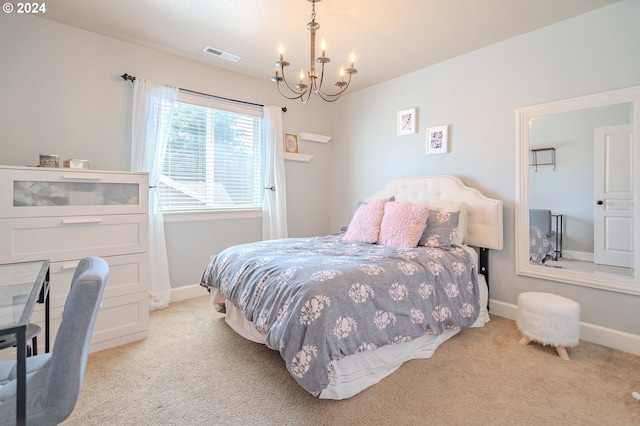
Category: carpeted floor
[194,370]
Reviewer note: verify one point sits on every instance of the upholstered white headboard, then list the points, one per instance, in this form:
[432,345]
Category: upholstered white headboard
[484,225]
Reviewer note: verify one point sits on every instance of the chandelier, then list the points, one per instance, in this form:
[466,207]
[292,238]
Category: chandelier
[312,82]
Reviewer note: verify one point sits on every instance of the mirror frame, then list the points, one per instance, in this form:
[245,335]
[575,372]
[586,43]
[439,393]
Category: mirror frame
[523,117]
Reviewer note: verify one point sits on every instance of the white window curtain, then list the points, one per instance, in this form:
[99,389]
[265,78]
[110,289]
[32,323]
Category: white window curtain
[274,206]
[153,106]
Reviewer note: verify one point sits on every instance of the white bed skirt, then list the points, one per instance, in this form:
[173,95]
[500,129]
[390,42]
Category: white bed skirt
[357,372]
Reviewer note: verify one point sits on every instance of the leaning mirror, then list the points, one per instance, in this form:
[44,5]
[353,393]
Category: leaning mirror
[577,190]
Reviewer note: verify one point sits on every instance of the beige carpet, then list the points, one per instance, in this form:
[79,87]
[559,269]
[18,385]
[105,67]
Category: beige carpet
[194,370]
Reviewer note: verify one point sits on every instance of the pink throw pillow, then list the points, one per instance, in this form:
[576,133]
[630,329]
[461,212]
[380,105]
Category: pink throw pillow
[365,224]
[402,224]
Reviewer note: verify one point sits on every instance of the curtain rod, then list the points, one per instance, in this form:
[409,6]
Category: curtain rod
[132,78]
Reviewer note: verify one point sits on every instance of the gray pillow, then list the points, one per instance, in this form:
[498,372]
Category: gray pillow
[440,230]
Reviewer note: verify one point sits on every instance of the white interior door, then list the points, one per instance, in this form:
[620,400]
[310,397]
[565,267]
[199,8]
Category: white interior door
[613,191]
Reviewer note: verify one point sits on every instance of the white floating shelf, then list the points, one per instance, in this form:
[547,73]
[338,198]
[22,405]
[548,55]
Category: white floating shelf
[311,137]
[297,157]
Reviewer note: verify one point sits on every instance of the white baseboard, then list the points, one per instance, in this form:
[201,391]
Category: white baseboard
[608,337]
[187,292]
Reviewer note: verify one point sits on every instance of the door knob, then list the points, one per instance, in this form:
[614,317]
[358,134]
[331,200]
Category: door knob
[599,202]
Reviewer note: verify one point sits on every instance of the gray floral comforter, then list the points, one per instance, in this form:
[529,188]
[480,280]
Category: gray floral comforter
[540,248]
[320,299]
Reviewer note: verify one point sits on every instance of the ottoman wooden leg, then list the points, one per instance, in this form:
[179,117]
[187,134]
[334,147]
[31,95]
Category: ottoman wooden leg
[562,351]
[525,340]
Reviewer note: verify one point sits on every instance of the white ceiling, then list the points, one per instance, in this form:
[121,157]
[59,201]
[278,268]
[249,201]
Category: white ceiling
[389,37]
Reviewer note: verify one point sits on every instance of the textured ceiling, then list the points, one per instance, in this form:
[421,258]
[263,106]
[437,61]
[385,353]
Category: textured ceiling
[389,37]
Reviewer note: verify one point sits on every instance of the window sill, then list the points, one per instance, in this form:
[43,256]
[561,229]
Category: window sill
[209,215]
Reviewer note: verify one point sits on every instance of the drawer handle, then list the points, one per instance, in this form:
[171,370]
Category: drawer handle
[76,220]
[82,176]
[66,266]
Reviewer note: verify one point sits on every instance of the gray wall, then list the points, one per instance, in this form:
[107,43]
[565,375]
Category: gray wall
[61,92]
[476,94]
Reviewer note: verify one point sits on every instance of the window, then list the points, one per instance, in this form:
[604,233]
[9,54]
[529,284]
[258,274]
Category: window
[214,156]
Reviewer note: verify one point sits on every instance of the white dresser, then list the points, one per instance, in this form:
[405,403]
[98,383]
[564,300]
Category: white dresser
[66,214]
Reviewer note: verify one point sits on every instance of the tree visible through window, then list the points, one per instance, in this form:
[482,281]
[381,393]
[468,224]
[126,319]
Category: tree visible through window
[213,157]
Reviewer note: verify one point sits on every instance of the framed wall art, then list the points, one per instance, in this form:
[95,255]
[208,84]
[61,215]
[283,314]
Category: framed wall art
[438,140]
[406,122]
[291,143]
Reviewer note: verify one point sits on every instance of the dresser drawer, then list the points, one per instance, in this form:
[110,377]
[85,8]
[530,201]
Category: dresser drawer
[127,274]
[39,192]
[120,320]
[62,238]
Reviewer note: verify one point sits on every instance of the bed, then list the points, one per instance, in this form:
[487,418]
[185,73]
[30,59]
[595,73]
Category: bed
[540,248]
[346,312]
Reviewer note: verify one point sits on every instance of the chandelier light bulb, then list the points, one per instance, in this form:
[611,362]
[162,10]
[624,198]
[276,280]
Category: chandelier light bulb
[281,52]
[323,47]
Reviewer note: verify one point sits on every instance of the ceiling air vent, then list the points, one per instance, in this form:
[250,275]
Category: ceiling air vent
[221,54]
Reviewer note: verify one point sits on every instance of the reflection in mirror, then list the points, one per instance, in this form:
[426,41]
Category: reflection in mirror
[563,186]
[575,215]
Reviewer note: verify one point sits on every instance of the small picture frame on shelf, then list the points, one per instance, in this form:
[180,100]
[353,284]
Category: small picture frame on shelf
[291,143]
[406,122]
[438,140]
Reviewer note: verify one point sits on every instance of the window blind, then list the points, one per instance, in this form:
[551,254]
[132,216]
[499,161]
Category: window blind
[213,158]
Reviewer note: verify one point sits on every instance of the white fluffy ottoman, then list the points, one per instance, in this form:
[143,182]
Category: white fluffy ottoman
[549,319]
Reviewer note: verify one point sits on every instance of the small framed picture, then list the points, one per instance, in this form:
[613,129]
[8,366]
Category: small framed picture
[438,140]
[291,144]
[406,122]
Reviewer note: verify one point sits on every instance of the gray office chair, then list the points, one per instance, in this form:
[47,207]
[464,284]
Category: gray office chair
[541,219]
[54,380]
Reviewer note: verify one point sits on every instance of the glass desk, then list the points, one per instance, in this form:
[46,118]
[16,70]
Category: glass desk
[22,285]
